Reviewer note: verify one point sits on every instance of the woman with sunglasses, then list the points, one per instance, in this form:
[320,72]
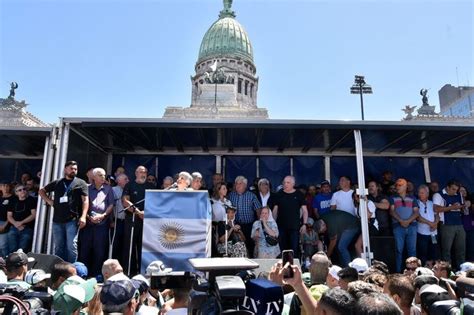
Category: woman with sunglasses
[21,216]
[427,230]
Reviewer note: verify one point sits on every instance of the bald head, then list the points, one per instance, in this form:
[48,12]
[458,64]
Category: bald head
[111,267]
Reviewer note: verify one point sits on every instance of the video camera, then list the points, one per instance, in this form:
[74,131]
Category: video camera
[38,302]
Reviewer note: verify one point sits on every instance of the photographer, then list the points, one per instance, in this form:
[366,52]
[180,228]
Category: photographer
[232,235]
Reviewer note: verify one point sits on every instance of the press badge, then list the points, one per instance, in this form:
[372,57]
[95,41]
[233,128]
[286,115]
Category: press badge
[63,199]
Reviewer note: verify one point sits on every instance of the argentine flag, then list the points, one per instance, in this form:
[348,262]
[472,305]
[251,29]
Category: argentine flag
[177,226]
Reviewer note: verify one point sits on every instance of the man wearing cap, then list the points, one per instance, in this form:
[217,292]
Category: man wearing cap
[332,279]
[322,201]
[119,297]
[133,199]
[72,294]
[404,212]
[70,205]
[17,266]
[448,205]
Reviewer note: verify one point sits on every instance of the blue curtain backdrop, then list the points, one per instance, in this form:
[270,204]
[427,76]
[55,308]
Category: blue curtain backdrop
[240,165]
[132,162]
[274,168]
[169,165]
[11,169]
[408,168]
[308,169]
[341,165]
[442,170]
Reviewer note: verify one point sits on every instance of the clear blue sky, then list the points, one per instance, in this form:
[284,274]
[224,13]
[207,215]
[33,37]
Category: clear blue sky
[104,58]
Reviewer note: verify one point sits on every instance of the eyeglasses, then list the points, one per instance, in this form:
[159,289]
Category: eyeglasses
[20,189]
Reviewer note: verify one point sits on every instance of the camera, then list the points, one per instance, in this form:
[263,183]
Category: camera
[38,302]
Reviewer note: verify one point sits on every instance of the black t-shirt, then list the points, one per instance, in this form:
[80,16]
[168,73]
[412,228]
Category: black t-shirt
[382,216]
[21,209]
[74,190]
[5,204]
[136,193]
[289,205]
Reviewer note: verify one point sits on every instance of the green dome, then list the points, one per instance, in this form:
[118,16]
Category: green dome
[226,38]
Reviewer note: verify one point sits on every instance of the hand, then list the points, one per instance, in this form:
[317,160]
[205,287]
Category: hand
[257,234]
[21,227]
[141,214]
[276,274]
[17,224]
[82,222]
[303,228]
[236,228]
[296,281]
[456,206]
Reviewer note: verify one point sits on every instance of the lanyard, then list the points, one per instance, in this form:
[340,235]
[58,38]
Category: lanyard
[68,187]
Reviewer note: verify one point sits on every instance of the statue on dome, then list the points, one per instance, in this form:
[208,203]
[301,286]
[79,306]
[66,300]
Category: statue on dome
[13,87]
[227,5]
[409,111]
[424,99]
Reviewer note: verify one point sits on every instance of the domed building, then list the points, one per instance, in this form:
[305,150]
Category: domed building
[225,83]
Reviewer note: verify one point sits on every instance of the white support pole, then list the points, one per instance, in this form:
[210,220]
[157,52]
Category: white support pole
[291,166]
[426,166]
[41,213]
[257,170]
[327,168]
[109,163]
[362,192]
[219,164]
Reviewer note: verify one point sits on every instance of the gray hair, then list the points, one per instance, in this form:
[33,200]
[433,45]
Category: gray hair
[187,176]
[263,181]
[168,178]
[423,186]
[98,170]
[239,179]
[196,175]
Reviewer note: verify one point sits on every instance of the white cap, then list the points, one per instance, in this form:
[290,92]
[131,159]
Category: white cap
[359,264]
[142,278]
[465,267]
[118,277]
[334,270]
[35,276]
[432,288]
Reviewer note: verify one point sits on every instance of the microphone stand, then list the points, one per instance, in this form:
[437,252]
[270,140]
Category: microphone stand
[131,234]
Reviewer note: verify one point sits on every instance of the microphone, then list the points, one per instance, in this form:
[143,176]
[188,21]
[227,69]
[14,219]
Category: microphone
[175,185]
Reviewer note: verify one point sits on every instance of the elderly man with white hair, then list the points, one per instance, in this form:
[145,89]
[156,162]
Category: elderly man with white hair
[247,205]
[94,237]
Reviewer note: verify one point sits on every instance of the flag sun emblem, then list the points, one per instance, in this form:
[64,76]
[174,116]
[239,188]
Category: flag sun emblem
[171,235]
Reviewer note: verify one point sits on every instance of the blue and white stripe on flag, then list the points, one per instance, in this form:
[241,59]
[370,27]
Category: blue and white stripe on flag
[177,226]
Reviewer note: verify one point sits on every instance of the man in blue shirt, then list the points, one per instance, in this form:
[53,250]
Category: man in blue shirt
[449,203]
[322,201]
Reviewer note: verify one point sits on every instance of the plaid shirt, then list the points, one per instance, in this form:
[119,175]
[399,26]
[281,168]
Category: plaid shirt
[247,205]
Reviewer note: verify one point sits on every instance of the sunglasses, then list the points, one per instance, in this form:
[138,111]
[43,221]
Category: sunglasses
[20,189]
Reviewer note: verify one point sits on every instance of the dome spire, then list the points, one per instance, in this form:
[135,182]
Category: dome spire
[227,11]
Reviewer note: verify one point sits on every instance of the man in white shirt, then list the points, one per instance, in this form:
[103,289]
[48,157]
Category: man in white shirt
[342,199]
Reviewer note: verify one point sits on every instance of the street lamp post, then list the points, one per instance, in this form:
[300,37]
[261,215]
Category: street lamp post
[360,87]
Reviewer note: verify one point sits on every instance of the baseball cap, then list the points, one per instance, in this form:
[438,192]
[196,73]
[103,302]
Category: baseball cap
[359,264]
[155,267]
[81,269]
[334,270]
[325,182]
[431,293]
[73,293]
[17,259]
[466,266]
[115,294]
[35,276]
[422,280]
[318,290]
[310,221]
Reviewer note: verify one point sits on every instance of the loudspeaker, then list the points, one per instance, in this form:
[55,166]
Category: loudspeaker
[384,250]
[43,261]
[265,265]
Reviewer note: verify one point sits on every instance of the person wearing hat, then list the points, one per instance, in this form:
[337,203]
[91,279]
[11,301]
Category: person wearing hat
[119,297]
[332,279]
[360,265]
[310,240]
[70,204]
[404,212]
[37,279]
[72,294]
[430,294]
[234,238]
[17,266]
[322,201]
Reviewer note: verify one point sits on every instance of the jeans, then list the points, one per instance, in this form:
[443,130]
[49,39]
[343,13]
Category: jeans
[65,240]
[345,239]
[453,237]
[20,239]
[4,250]
[404,237]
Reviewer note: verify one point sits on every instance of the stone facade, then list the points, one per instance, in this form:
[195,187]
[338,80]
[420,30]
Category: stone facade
[13,114]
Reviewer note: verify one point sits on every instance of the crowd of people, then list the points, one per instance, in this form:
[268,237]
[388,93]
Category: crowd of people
[101,217]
